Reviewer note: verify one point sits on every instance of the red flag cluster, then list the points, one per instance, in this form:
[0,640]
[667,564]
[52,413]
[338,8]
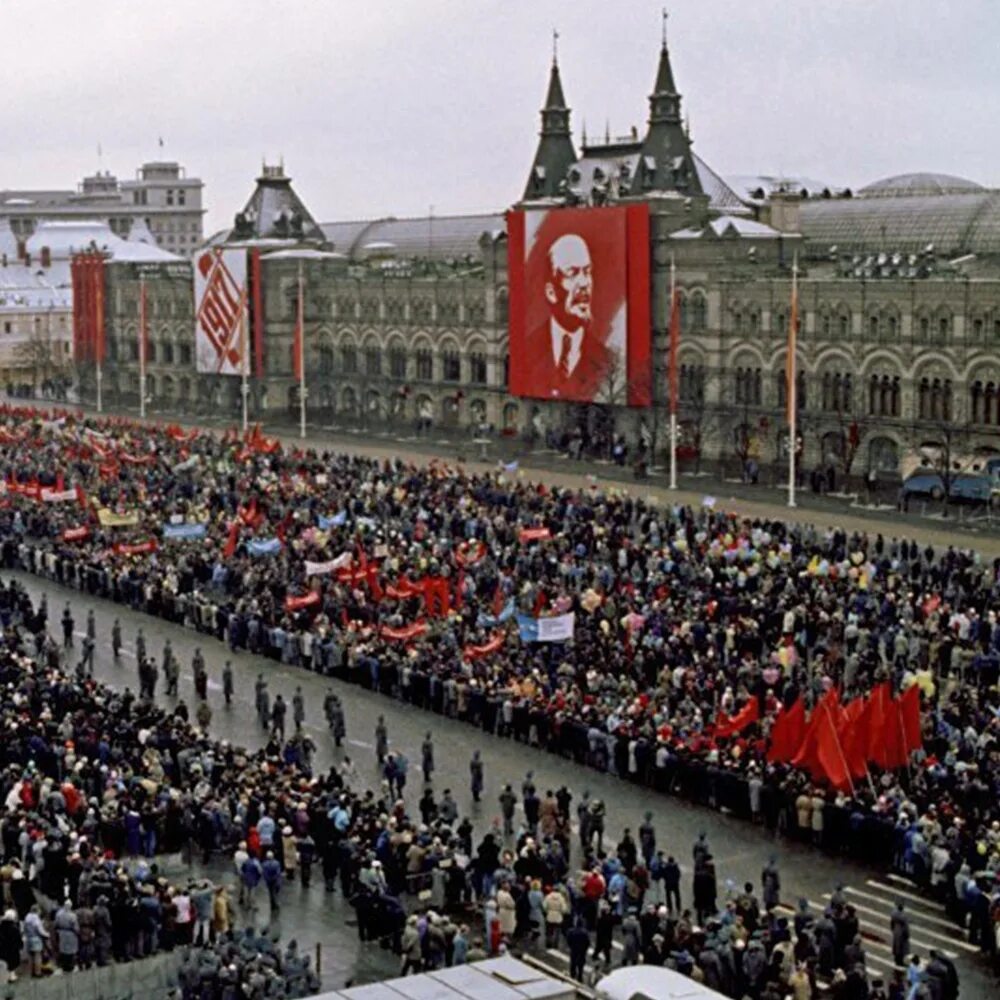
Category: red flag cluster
[838,742]
[733,725]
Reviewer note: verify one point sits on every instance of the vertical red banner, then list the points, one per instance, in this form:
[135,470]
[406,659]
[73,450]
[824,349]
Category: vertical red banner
[640,379]
[258,312]
[98,264]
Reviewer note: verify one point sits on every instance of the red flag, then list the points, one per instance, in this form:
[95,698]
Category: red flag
[60,486]
[879,712]
[497,600]
[788,732]
[807,756]
[234,536]
[459,586]
[854,736]
[909,713]
[746,716]
[829,754]
[675,342]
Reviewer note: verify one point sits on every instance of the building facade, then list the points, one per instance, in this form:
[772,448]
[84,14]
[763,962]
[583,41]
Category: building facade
[161,197]
[406,319]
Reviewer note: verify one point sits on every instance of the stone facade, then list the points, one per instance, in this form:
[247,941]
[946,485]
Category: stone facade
[893,351]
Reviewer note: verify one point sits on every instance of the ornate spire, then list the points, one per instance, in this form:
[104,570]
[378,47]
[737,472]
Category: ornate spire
[555,153]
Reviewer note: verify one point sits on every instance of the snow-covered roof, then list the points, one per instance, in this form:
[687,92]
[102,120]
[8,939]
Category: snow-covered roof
[32,288]
[729,226]
[64,239]
[303,254]
[652,982]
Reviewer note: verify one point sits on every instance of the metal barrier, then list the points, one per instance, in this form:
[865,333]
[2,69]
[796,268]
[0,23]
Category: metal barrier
[144,979]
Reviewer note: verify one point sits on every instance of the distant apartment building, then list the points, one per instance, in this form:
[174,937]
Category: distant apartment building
[168,202]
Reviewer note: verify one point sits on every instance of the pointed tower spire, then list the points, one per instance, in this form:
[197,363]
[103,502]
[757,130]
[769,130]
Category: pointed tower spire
[555,153]
[666,163]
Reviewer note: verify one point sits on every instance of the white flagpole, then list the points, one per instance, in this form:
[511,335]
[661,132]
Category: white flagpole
[302,357]
[142,348]
[791,389]
[671,363]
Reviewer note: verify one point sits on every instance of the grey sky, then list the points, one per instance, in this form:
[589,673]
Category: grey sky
[386,107]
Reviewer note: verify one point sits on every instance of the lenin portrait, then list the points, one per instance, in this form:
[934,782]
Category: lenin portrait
[574,341]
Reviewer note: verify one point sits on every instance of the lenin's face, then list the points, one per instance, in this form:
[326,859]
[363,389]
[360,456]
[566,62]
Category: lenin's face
[570,286]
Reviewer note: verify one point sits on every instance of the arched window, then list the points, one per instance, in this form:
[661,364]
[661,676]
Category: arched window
[698,312]
[425,364]
[373,360]
[325,359]
[738,321]
[349,359]
[477,368]
[754,323]
[924,399]
[873,327]
[845,325]
[827,392]
[895,391]
[397,361]
[451,366]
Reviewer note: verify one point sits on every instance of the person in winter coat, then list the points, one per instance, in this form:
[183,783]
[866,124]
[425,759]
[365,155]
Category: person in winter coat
[289,851]
[102,931]
[899,925]
[11,944]
[36,938]
[251,874]
[411,948]
[578,941]
[67,931]
[271,870]
[556,909]
[506,910]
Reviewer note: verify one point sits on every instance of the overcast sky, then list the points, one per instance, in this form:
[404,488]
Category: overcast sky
[389,106]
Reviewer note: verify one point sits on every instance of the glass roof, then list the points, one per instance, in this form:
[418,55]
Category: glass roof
[954,223]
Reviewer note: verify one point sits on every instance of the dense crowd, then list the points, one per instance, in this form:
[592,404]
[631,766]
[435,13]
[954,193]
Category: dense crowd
[417,582]
[79,759]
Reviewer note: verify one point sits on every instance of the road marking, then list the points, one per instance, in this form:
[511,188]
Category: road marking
[923,901]
[948,925]
[860,907]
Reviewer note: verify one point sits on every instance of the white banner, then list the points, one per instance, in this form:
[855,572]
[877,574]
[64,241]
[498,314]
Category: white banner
[557,629]
[322,569]
[221,334]
[61,496]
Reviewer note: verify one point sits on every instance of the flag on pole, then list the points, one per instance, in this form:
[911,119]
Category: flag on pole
[791,403]
[298,344]
[675,343]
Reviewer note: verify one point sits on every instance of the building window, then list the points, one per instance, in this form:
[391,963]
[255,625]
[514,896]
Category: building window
[782,324]
[977,329]
[781,384]
[170,196]
[873,327]
[506,370]
[691,384]
[883,396]
[845,325]
[477,368]
[738,322]
[168,353]
[984,404]
[836,392]
[698,312]
[151,352]
[748,386]
[451,366]
[934,398]
[373,360]
[185,354]
[925,328]
[325,359]
[349,359]
[425,364]
[181,197]
[826,325]
[754,323]
[944,327]
[397,362]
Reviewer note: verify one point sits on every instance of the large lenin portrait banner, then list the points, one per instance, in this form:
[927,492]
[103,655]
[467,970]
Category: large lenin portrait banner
[579,304]
[220,302]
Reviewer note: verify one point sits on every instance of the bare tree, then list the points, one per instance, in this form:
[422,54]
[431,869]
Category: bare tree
[38,356]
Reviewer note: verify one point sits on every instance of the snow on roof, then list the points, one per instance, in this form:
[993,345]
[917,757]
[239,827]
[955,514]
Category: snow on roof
[304,254]
[64,239]
[730,226]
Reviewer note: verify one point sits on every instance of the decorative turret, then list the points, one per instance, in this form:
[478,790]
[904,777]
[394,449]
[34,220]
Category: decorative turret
[275,212]
[555,154]
[666,163]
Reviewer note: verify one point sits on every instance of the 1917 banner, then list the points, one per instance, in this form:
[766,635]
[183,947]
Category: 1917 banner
[220,297]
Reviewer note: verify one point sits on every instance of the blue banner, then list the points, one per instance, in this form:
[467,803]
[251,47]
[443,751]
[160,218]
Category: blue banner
[528,627]
[488,621]
[264,546]
[337,521]
[183,532]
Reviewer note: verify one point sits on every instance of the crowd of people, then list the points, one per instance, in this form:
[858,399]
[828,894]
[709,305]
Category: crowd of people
[432,585]
[97,783]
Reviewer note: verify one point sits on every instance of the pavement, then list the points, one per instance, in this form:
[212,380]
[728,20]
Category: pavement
[315,918]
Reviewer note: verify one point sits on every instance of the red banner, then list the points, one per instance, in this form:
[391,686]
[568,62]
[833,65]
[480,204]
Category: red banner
[305,601]
[472,652]
[136,548]
[534,535]
[579,304]
[257,297]
[76,534]
[469,553]
[404,634]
